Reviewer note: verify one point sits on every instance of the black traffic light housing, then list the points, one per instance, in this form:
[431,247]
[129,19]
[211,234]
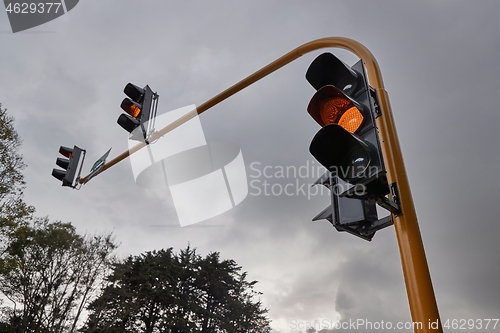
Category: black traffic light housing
[348,146]
[70,164]
[355,216]
[140,107]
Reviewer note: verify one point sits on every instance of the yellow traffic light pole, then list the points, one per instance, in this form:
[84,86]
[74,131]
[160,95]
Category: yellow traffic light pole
[423,306]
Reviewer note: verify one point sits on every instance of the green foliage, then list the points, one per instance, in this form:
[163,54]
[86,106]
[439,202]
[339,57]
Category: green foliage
[13,210]
[161,291]
[49,274]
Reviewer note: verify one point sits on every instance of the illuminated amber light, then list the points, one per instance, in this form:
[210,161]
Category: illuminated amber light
[332,108]
[339,110]
[351,120]
[134,110]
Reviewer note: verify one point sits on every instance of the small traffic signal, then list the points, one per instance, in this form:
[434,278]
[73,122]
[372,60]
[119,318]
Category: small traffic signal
[70,164]
[356,216]
[139,108]
[347,145]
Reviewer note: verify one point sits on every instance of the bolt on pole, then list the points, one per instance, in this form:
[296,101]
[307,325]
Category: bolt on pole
[423,306]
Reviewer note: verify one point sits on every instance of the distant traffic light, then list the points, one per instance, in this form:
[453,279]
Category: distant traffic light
[71,164]
[348,146]
[140,107]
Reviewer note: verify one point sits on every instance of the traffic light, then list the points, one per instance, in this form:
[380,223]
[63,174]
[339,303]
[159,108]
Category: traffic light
[347,145]
[140,107]
[71,164]
[355,216]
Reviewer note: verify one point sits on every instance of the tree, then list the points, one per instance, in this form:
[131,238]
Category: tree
[161,291]
[13,210]
[137,294]
[50,274]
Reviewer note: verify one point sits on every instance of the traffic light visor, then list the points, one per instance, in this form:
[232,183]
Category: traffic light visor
[59,174]
[66,151]
[127,122]
[63,163]
[327,69]
[341,152]
[131,108]
[329,105]
[134,92]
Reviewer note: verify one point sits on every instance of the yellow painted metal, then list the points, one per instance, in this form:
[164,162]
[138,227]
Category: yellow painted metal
[423,306]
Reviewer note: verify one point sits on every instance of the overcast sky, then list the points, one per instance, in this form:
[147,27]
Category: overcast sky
[63,82]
